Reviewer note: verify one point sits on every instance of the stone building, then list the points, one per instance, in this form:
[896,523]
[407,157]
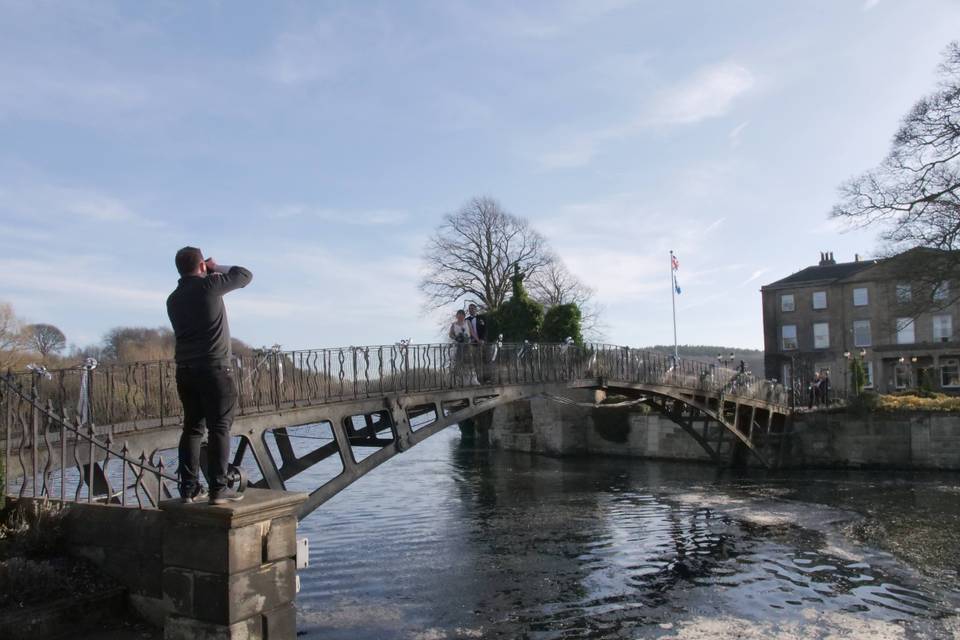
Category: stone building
[902,326]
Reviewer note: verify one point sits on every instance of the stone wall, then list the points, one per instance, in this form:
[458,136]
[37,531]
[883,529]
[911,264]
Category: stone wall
[127,544]
[537,425]
[544,426]
[630,433]
[904,440]
[908,440]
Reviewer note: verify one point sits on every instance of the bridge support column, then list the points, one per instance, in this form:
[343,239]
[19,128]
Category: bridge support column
[230,571]
[541,425]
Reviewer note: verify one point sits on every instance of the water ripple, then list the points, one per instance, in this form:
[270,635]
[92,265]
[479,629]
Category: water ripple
[447,542]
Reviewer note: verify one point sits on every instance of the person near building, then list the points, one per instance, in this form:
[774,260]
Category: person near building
[814,391]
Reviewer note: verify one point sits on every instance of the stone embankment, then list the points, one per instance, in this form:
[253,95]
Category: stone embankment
[835,439]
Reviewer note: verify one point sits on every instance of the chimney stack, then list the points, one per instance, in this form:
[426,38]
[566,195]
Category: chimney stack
[826,258]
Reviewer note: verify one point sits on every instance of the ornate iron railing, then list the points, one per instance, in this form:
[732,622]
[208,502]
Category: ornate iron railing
[65,459]
[108,401]
[141,394]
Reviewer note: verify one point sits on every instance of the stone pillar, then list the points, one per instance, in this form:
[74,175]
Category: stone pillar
[229,572]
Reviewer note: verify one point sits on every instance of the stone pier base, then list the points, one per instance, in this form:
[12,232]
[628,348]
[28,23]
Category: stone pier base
[230,571]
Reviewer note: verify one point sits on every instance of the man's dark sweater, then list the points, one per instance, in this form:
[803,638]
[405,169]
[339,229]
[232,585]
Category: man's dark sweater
[199,319]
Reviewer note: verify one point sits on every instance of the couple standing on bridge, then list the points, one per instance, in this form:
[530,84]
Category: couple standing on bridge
[467,330]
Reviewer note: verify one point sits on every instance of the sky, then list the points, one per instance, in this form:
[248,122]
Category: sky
[320,143]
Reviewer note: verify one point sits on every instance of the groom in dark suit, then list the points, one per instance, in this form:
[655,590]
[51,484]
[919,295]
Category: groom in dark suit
[478,326]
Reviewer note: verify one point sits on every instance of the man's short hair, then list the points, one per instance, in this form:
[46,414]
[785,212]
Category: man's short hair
[188,260]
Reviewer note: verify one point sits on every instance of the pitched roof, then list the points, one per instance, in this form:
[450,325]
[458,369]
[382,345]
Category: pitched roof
[819,273]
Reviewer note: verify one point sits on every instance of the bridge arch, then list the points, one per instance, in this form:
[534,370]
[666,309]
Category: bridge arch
[391,427]
[725,426]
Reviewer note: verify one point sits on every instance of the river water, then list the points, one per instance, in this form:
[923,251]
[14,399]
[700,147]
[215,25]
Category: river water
[450,541]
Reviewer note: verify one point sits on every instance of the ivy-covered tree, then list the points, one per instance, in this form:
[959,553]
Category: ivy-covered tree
[519,318]
[561,322]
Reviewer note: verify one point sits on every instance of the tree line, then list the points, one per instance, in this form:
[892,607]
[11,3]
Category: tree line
[23,343]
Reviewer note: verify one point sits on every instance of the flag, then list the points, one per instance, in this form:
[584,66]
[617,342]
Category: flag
[675,265]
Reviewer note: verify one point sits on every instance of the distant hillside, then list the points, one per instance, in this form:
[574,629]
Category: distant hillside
[708,353]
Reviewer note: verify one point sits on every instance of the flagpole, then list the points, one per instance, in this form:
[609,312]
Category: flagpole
[673,304]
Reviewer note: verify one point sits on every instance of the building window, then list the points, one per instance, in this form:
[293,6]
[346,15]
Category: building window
[901,377]
[904,293]
[819,299]
[942,291]
[821,335]
[861,333]
[950,373]
[942,328]
[789,332]
[868,370]
[860,297]
[786,302]
[905,333]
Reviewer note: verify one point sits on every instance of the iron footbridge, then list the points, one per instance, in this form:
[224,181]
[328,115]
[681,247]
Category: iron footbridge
[109,433]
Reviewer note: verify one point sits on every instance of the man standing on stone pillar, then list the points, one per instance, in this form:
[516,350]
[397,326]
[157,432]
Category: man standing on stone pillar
[205,380]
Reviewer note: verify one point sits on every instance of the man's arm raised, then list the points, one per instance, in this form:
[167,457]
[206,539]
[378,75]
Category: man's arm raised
[227,278]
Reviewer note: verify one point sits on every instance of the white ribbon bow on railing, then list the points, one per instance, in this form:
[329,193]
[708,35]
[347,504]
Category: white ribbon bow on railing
[83,402]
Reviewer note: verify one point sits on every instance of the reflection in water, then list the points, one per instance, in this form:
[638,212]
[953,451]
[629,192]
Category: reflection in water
[446,541]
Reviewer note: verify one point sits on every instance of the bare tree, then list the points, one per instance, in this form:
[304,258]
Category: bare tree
[473,252]
[131,344]
[554,284]
[13,339]
[914,194]
[46,339]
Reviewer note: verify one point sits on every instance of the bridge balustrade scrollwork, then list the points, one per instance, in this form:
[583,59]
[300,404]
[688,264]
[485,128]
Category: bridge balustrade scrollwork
[144,393]
[111,403]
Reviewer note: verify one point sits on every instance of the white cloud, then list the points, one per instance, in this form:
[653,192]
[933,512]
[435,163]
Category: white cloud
[714,225]
[41,202]
[458,111]
[518,20]
[710,93]
[19,234]
[347,41]
[736,134]
[77,281]
[870,4]
[831,227]
[633,263]
[370,217]
[619,275]
[571,158]
[303,56]
[757,273]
